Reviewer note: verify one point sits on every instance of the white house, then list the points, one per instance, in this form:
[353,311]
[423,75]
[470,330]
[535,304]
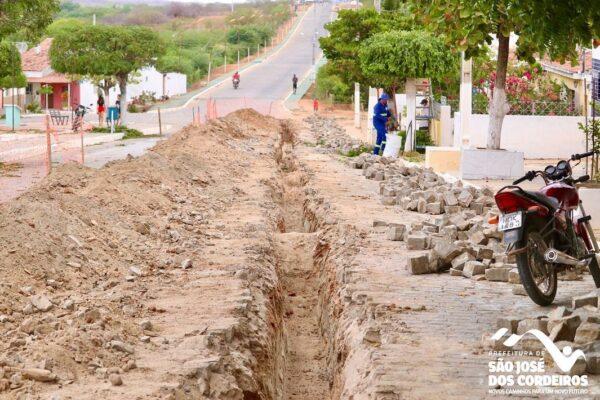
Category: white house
[147,80]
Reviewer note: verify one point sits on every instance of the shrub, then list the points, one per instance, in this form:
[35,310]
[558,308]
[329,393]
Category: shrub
[129,133]
[34,107]
[328,83]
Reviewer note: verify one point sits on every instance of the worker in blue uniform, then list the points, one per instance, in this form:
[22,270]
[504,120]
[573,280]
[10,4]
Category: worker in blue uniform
[381,115]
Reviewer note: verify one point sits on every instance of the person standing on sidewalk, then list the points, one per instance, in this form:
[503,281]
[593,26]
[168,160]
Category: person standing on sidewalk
[381,115]
[294,83]
[101,110]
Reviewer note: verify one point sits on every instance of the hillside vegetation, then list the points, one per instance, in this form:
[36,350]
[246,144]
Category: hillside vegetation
[194,34]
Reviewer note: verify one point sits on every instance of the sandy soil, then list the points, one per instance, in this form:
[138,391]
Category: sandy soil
[234,261]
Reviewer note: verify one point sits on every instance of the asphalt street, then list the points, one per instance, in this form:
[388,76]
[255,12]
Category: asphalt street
[263,86]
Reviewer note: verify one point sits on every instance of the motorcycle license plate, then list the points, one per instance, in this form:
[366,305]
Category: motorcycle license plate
[510,221]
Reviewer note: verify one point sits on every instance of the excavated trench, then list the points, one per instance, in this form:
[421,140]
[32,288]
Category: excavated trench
[305,376]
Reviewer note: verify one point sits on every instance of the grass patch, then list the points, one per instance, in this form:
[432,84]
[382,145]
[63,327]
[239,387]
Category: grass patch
[128,133]
[357,152]
[8,169]
[414,156]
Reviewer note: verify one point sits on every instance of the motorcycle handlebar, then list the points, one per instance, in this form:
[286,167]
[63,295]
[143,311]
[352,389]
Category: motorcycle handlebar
[528,176]
[520,180]
[577,157]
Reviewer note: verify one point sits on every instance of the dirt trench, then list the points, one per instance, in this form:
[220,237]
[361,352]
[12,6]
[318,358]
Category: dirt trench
[305,376]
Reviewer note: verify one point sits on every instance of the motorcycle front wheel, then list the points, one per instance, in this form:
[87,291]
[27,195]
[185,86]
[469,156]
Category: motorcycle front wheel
[539,277]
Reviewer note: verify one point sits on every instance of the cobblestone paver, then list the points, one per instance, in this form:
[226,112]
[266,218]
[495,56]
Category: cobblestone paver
[433,351]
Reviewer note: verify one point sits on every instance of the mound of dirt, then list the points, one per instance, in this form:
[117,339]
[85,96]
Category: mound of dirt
[77,247]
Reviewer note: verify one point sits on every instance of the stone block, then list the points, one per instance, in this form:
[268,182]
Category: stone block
[450,199]
[434,208]
[484,253]
[465,198]
[472,268]
[497,274]
[416,242]
[421,206]
[587,332]
[455,272]
[378,223]
[447,251]
[510,323]
[541,324]
[564,328]
[590,299]
[451,209]
[449,231]
[478,237]
[388,200]
[513,276]
[418,264]
[458,262]
[396,232]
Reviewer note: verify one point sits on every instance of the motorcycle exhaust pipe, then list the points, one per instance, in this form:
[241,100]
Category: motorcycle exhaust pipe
[558,257]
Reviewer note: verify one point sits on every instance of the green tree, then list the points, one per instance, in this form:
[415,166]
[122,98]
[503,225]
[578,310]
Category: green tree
[387,59]
[26,17]
[350,30]
[11,75]
[544,27]
[106,51]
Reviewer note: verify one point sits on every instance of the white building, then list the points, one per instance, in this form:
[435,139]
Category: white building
[147,80]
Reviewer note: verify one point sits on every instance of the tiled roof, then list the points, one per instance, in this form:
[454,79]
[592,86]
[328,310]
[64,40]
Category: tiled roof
[53,77]
[37,58]
[567,67]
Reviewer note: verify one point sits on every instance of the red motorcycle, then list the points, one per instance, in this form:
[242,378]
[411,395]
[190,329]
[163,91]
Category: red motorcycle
[548,231]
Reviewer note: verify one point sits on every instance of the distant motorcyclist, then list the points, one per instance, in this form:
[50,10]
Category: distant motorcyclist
[236,80]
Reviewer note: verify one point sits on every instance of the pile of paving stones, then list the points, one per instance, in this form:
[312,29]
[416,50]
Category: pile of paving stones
[330,135]
[456,236]
[577,327]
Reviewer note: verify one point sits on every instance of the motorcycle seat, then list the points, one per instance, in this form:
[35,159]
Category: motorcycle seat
[549,202]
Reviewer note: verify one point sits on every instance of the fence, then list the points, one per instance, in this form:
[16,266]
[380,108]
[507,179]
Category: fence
[28,155]
[25,158]
[559,108]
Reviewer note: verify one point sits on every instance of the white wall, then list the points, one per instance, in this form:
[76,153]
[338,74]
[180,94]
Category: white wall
[535,136]
[149,80]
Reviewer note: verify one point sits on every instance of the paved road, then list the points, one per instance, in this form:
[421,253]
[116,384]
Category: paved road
[262,87]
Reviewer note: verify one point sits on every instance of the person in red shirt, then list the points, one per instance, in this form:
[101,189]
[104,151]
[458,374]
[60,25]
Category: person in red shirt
[236,80]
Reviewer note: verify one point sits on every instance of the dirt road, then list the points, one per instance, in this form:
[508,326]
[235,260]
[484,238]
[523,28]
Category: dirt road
[237,260]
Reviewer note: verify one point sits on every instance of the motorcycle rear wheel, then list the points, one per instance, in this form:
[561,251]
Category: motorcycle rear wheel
[539,278]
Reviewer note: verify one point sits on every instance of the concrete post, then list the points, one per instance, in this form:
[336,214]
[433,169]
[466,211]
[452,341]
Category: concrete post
[466,101]
[370,129]
[411,111]
[357,105]
[446,126]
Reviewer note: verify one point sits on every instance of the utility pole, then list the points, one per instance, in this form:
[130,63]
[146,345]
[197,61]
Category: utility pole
[238,63]
[94,20]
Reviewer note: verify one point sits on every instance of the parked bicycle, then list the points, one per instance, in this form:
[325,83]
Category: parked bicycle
[78,119]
